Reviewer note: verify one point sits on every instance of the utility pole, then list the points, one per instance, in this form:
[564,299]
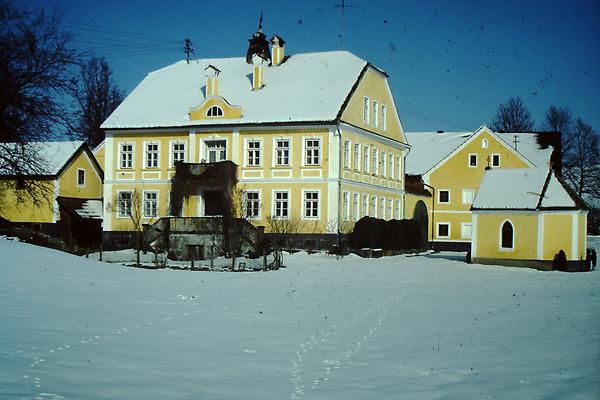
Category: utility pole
[188,50]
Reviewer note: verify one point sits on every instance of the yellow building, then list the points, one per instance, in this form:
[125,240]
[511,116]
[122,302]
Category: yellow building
[316,139]
[444,171]
[67,192]
[525,217]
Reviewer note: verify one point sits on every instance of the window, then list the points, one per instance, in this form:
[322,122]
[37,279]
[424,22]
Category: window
[443,196]
[282,152]
[253,149]
[178,152]
[281,205]
[507,236]
[126,154]
[346,206]
[375,114]
[382,207]
[398,210]
[214,111]
[366,110]
[346,154]
[383,117]
[374,206]
[484,144]
[356,207]
[383,164]
[124,200]
[356,157]
[472,160]
[365,205]
[150,204]
[311,205]
[466,230]
[375,169]
[216,151]
[151,155]
[366,159]
[495,160]
[390,210]
[80,177]
[467,196]
[443,230]
[392,168]
[399,167]
[252,204]
[313,148]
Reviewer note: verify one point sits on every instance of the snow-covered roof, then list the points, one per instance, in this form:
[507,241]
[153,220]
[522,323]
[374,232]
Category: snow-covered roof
[527,187]
[428,149]
[91,209]
[51,156]
[309,87]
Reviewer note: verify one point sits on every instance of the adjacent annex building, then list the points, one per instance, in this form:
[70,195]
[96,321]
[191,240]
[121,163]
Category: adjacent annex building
[63,198]
[526,217]
[444,171]
[313,142]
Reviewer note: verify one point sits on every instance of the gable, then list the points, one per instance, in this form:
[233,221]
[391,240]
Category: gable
[204,111]
[373,85]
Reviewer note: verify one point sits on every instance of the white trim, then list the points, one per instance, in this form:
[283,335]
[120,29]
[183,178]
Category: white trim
[260,203]
[366,110]
[540,236]
[55,207]
[82,185]
[356,156]
[575,237]
[172,143]
[373,136]
[472,196]
[145,150]
[144,203]
[437,230]
[499,160]
[476,160]
[109,153]
[261,148]
[485,143]
[289,203]
[193,145]
[303,211]
[120,155]
[355,206]
[106,207]
[439,192]
[514,244]
[347,158]
[463,225]
[474,236]
[235,147]
[304,155]
[213,138]
[117,206]
[290,151]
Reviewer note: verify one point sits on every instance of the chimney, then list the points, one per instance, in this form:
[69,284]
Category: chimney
[277,50]
[257,76]
[212,81]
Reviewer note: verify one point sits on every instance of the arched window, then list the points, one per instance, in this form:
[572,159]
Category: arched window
[214,111]
[484,143]
[508,235]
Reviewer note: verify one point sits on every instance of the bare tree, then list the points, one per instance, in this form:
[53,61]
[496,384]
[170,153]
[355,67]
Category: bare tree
[97,97]
[512,116]
[559,119]
[36,85]
[582,160]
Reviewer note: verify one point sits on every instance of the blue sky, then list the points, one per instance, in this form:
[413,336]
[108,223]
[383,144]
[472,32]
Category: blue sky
[450,62]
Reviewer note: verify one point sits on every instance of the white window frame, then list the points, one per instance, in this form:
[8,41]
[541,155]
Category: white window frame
[514,244]
[439,195]
[214,112]
[146,201]
[499,160]
[484,143]
[151,156]
[382,207]
[375,161]
[172,153]
[79,171]
[346,206]
[375,114]
[283,150]
[365,205]
[384,164]
[390,206]
[437,230]
[392,167]
[463,227]
[275,201]
[399,166]
[355,206]
[465,196]
[469,160]
[383,117]
[398,209]
[206,150]
[129,163]
[306,201]
[367,159]
[356,148]
[259,204]
[312,148]
[347,146]
[373,207]
[366,110]
[120,210]
[253,156]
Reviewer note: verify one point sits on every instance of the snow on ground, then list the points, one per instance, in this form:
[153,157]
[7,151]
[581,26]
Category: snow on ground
[426,327]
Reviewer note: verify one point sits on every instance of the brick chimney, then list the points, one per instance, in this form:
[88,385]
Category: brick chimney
[277,50]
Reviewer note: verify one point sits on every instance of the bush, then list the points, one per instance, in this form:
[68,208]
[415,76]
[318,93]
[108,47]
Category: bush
[387,235]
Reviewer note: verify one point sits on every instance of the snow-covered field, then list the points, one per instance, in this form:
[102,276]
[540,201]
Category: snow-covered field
[401,327]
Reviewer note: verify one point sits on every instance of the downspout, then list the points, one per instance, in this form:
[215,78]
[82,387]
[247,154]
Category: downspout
[432,211]
[340,150]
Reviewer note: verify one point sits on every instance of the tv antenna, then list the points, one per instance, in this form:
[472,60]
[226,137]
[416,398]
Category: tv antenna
[342,6]
[187,49]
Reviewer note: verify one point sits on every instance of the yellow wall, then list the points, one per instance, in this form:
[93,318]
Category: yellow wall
[455,175]
[229,111]
[99,153]
[92,188]
[557,234]
[27,211]
[374,85]
[489,236]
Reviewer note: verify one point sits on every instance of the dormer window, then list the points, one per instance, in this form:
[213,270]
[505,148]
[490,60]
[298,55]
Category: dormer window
[214,111]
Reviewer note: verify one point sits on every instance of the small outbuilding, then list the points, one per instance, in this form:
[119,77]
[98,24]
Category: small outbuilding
[528,218]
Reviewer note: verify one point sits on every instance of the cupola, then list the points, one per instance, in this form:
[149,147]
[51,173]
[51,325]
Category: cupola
[258,46]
